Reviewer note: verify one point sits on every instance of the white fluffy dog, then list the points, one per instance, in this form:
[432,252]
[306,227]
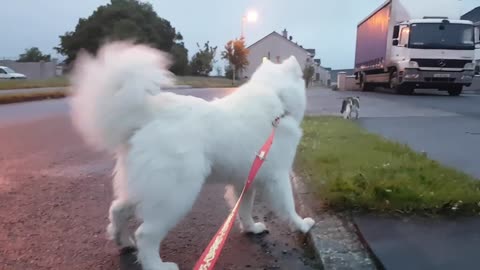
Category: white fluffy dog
[168,145]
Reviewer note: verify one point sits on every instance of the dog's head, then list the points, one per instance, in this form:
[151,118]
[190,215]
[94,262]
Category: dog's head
[286,80]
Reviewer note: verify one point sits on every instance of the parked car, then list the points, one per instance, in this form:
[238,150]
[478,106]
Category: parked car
[10,74]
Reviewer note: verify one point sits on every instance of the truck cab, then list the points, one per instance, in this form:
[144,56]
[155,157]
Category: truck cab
[407,44]
[432,53]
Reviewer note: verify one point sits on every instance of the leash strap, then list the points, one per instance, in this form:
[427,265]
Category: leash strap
[211,254]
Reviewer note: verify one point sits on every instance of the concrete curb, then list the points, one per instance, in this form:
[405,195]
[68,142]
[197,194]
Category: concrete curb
[334,238]
[176,87]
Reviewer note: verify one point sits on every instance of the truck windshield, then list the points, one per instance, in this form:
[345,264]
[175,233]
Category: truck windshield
[442,36]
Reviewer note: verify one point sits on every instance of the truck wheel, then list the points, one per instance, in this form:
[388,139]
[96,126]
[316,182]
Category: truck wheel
[393,81]
[455,90]
[398,88]
[365,87]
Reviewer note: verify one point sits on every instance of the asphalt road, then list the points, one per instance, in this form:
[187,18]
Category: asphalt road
[55,194]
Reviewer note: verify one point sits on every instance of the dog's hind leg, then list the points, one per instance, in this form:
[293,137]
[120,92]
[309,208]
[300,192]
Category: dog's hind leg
[163,203]
[120,212]
[280,195]
[245,214]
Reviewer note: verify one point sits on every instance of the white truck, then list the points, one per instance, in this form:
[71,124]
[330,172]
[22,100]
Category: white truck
[409,44]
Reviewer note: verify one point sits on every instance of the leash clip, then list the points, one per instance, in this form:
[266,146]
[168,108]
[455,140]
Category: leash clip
[261,155]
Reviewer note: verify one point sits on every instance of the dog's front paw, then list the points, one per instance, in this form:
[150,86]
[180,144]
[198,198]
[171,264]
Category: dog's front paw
[256,228]
[123,241]
[307,224]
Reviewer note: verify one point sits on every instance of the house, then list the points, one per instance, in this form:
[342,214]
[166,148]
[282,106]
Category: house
[473,15]
[322,75]
[276,47]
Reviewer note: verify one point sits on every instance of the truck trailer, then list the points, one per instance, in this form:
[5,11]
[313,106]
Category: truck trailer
[411,44]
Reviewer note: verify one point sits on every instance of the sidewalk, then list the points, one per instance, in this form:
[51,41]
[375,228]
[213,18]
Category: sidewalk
[421,243]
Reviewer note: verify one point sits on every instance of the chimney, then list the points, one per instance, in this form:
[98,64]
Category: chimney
[285,33]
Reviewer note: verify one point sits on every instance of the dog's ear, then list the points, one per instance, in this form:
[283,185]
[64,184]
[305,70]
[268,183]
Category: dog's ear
[290,61]
[291,64]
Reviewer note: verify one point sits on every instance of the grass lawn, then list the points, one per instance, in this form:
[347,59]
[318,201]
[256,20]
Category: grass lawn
[24,84]
[22,97]
[352,169]
[196,82]
[206,82]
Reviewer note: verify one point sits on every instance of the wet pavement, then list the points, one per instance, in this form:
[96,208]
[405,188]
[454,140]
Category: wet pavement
[418,243]
[55,194]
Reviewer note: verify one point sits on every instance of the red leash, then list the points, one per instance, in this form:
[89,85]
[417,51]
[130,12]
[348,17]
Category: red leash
[211,254]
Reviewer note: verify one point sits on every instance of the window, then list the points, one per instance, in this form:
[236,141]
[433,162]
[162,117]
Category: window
[404,36]
[477,34]
[2,71]
[8,70]
[396,31]
[451,36]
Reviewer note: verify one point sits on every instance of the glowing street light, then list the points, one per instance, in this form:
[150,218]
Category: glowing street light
[250,17]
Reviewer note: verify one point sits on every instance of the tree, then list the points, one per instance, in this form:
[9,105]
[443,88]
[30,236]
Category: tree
[33,55]
[229,72]
[219,71]
[180,57]
[121,20]
[202,62]
[308,73]
[236,54]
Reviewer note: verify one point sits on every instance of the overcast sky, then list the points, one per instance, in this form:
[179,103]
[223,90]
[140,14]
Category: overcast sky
[327,26]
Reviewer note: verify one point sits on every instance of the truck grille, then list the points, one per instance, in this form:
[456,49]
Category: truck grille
[441,63]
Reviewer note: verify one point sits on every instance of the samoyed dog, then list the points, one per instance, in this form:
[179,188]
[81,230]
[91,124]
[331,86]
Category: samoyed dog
[167,145]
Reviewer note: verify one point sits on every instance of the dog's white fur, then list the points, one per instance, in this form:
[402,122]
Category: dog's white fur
[168,145]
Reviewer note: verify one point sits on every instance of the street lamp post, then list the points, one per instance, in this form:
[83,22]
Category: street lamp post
[251,17]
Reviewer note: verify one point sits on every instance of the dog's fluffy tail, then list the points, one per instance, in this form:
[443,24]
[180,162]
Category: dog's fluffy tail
[112,91]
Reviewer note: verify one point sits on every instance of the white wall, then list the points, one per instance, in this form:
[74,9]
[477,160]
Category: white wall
[33,70]
[324,76]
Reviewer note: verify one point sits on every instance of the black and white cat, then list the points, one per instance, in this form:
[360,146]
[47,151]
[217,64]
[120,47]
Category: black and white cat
[350,105]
